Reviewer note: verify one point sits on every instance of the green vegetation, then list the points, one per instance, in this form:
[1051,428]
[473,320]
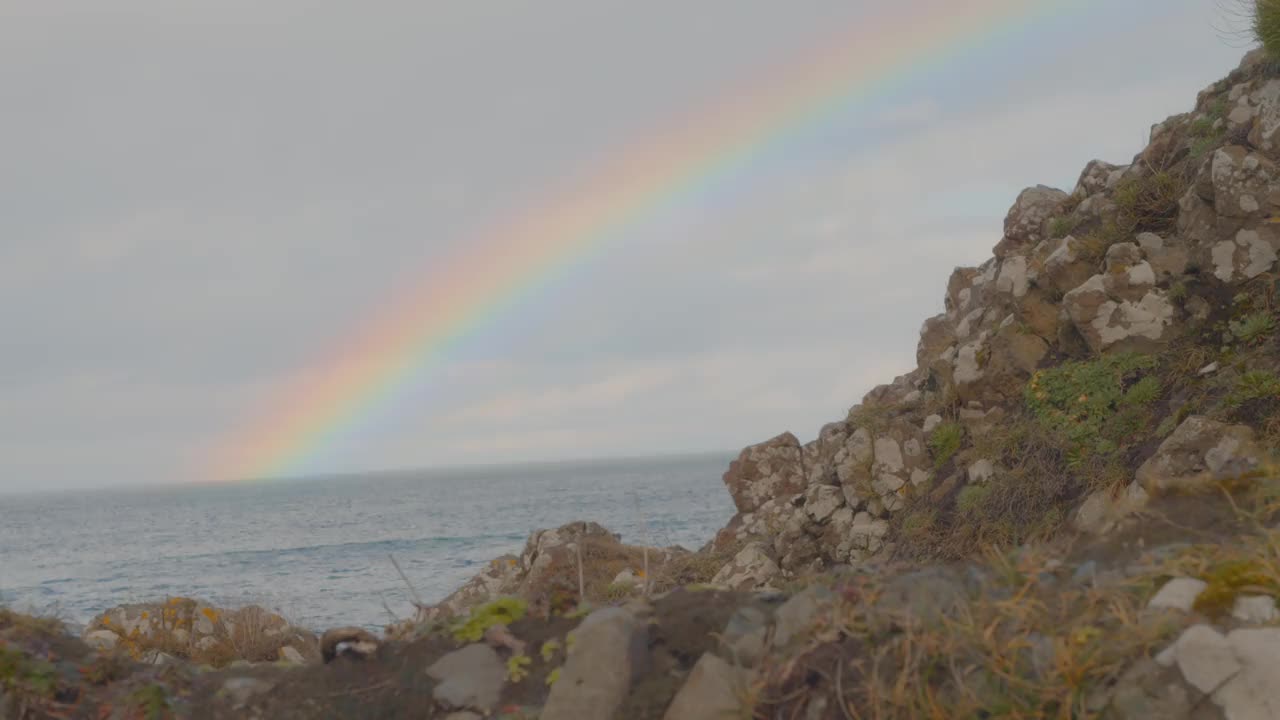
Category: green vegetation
[1252,329]
[1266,25]
[1093,406]
[23,676]
[1094,246]
[503,611]
[1231,579]
[945,441]
[1061,227]
[518,667]
[971,498]
[151,701]
[1253,385]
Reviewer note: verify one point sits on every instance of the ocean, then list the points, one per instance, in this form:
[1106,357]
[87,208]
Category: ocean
[317,549]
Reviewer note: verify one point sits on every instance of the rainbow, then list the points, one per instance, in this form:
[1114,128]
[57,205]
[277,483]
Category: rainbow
[413,333]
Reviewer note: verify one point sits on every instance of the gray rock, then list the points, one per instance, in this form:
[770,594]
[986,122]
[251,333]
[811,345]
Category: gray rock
[101,639]
[1240,671]
[1102,512]
[609,650]
[713,689]
[471,677]
[799,615]
[1200,452]
[981,471]
[924,596]
[745,635]
[751,568]
[1146,691]
[242,690]
[1178,594]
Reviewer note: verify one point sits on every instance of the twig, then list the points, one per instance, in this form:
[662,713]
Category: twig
[417,601]
[394,618]
[582,586]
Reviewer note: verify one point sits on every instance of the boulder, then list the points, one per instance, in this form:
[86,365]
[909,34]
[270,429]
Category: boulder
[1103,511]
[469,678]
[765,471]
[1239,671]
[713,689]
[751,568]
[609,649]
[193,629]
[1024,225]
[1199,453]
[1245,256]
[1110,321]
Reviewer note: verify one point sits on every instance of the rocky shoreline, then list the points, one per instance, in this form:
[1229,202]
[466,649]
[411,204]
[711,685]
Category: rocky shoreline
[1067,509]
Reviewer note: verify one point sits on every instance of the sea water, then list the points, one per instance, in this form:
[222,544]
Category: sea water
[318,549]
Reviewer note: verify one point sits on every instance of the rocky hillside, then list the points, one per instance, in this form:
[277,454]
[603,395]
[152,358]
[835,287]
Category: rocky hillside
[1067,509]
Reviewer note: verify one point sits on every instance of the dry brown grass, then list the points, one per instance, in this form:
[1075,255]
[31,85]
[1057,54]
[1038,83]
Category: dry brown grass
[1029,644]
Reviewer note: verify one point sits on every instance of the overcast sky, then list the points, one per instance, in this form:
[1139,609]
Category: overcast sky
[200,200]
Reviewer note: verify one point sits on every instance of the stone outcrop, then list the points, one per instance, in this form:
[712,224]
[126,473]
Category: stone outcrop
[546,571]
[1199,453]
[188,628]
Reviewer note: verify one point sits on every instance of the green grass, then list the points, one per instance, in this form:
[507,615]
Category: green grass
[1252,329]
[945,441]
[1061,227]
[1266,25]
[1253,385]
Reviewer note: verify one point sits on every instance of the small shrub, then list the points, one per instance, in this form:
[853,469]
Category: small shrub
[1143,392]
[151,701]
[1061,227]
[971,498]
[619,591]
[1231,580]
[1149,202]
[549,649]
[1202,127]
[1266,25]
[503,611]
[945,442]
[1253,385]
[1252,329]
[518,667]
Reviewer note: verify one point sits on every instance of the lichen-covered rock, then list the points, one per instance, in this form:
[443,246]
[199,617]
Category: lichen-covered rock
[1065,267]
[1200,452]
[1024,225]
[751,568]
[189,628]
[765,471]
[1113,322]
[1245,256]
[1097,177]
[1267,124]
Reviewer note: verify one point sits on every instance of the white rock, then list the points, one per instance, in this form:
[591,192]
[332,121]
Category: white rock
[101,639]
[1178,594]
[1205,658]
[1255,609]
[932,422]
[1209,369]
[981,471]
